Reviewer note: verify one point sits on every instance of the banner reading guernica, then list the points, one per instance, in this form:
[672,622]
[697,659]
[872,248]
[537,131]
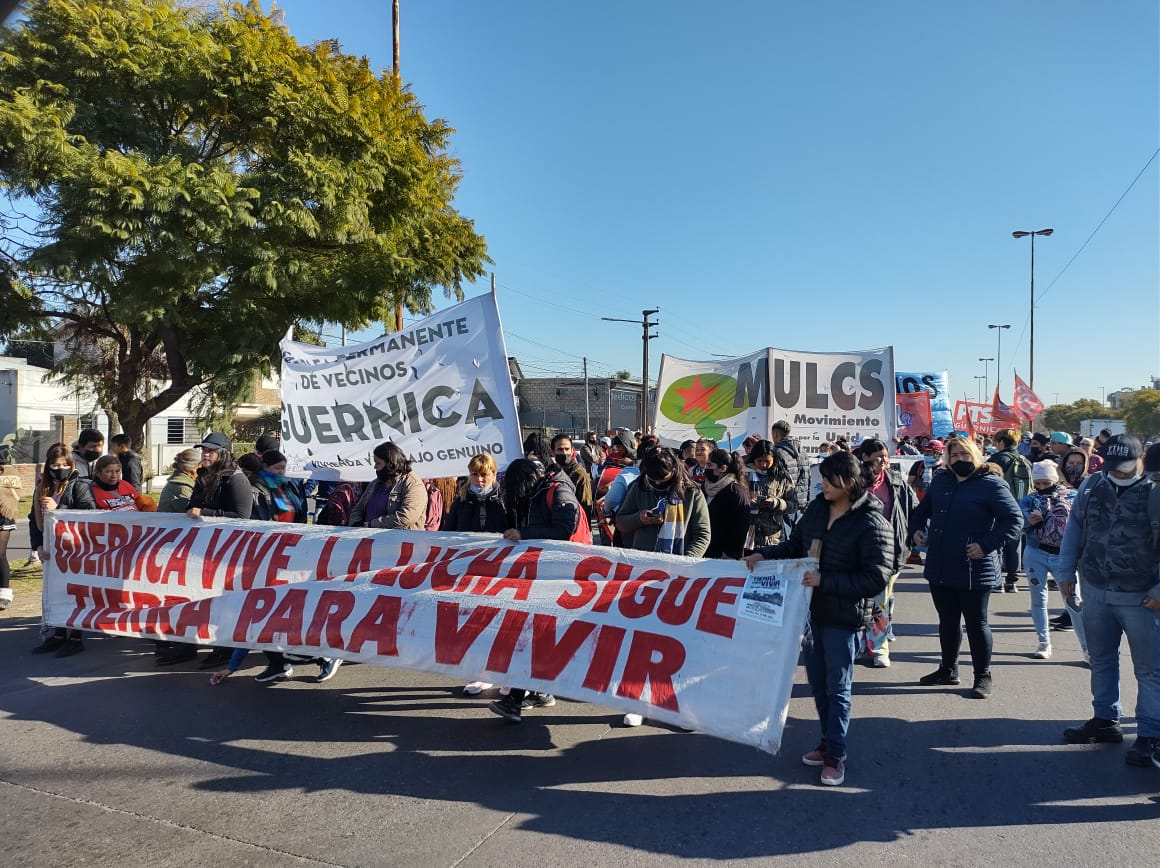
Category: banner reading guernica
[440,390]
[822,395]
[695,643]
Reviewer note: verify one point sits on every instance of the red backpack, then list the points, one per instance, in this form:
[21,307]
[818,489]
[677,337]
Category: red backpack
[583,531]
[434,505]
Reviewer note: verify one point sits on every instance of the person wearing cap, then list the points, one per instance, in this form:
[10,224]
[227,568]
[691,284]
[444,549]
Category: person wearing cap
[1058,443]
[967,516]
[1045,511]
[221,490]
[1039,448]
[1109,542]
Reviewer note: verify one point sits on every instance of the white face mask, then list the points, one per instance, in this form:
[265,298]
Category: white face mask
[1124,483]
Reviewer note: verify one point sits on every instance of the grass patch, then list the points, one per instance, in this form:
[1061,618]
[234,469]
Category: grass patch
[26,580]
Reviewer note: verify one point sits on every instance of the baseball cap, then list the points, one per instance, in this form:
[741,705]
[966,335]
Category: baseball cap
[935,444]
[1060,437]
[605,441]
[1040,437]
[1121,452]
[216,442]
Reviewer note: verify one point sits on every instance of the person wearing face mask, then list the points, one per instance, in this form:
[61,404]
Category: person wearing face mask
[565,457]
[1110,541]
[1040,448]
[397,498]
[59,488]
[663,511]
[1045,515]
[89,447]
[772,494]
[857,555]
[728,498]
[966,518]
[478,506]
[277,497]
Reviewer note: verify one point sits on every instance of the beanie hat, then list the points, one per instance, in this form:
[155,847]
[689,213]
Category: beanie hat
[267,441]
[1044,470]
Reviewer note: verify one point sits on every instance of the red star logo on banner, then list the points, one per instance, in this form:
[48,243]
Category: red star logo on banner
[696,396]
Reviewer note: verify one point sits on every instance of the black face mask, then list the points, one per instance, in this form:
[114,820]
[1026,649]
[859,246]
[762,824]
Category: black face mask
[59,474]
[713,475]
[383,474]
[92,454]
[563,460]
[962,468]
[663,486]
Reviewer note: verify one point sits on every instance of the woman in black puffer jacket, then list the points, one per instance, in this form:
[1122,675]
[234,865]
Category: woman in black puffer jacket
[857,555]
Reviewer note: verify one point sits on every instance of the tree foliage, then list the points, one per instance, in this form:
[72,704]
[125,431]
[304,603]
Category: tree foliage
[182,183]
[1066,417]
[1142,412]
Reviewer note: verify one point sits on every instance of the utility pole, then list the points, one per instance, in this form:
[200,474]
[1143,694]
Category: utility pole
[399,82]
[647,324]
[587,409]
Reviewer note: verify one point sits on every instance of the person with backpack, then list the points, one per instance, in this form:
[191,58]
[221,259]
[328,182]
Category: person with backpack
[540,504]
[1110,540]
[1017,474]
[1045,514]
[565,456]
[796,465]
[397,498]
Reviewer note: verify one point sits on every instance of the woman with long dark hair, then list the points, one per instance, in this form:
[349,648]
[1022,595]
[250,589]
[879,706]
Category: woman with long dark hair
[59,488]
[772,494]
[966,518]
[221,490]
[856,559]
[663,510]
[397,498]
[727,497]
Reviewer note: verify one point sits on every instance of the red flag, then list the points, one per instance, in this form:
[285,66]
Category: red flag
[1027,403]
[914,414]
[1001,413]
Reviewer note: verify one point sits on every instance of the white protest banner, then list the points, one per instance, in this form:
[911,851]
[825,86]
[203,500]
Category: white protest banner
[667,637]
[440,390]
[822,395]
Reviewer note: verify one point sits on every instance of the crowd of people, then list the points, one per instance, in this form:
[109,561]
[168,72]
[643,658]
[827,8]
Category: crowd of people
[975,512]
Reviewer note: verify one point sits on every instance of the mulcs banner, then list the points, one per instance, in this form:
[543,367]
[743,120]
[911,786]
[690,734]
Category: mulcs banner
[695,643]
[822,395]
[938,385]
[440,390]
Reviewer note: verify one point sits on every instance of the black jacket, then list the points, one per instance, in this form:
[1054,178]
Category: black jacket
[473,514]
[234,497]
[728,522]
[558,521]
[905,502]
[131,469]
[857,554]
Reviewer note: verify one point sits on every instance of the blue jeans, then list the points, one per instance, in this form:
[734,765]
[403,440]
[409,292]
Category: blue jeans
[1107,615]
[1037,564]
[829,660]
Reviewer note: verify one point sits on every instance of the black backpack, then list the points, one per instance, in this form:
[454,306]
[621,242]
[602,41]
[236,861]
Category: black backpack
[798,469]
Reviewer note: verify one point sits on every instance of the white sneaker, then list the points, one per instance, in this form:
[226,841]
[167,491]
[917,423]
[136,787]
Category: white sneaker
[33,559]
[1043,652]
[474,688]
[5,598]
[633,720]
[880,661]
[504,691]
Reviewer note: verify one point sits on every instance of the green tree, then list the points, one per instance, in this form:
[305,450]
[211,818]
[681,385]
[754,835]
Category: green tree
[1066,417]
[1142,412]
[183,183]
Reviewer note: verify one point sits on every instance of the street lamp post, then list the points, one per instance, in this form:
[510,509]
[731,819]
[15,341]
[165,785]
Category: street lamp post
[999,352]
[1102,401]
[986,379]
[1031,354]
[979,378]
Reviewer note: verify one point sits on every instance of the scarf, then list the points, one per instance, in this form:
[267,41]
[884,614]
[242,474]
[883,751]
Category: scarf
[712,489]
[671,537]
[282,493]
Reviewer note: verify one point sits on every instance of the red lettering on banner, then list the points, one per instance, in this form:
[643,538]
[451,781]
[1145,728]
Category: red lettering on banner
[322,570]
[286,618]
[441,577]
[154,570]
[379,625]
[549,654]
[638,598]
[255,607]
[280,559]
[80,595]
[611,589]
[117,537]
[257,547]
[330,613]
[179,560]
[360,561]
[486,566]
[504,646]
[215,554]
[722,591]
[604,657]
[414,575]
[236,560]
[590,566]
[656,659]
[136,551]
[673,610]
[157,621]
[451,640]
[520,586]
[195,616]
[94,536]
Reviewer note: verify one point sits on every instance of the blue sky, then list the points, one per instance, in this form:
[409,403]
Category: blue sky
[813,176]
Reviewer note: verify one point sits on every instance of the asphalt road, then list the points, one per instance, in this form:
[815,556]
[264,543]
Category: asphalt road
[106,759]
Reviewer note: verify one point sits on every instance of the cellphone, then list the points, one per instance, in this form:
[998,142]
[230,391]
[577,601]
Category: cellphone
[654,513]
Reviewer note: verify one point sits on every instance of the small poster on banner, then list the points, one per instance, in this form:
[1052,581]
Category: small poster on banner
[763,598]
